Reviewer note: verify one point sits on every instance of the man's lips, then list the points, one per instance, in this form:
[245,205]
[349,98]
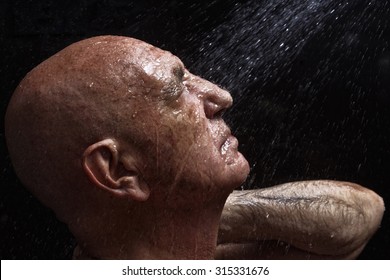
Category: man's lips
[230,143]
[224,136]
[224,140]
[228,147]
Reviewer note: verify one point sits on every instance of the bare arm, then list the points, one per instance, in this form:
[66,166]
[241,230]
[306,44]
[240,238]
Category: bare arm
[325,218]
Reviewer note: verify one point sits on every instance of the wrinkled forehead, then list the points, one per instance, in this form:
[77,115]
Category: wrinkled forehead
[154,62]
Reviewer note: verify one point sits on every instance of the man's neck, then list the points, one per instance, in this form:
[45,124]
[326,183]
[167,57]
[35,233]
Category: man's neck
[164,234]
[182,237]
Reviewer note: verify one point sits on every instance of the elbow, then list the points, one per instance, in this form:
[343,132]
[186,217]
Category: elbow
[372,211]
[361,219]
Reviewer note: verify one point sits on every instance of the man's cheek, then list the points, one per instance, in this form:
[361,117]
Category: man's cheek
[186,126]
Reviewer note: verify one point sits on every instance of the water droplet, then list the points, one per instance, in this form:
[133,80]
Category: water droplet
[225,147]
[177,112]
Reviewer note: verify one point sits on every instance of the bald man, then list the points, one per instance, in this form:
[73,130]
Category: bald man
[129,150]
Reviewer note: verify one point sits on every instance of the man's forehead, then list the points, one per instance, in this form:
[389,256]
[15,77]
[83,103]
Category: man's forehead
[146,54]
[155,63]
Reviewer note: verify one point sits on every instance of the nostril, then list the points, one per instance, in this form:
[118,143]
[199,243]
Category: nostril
[209,109]
[219,114]
[213,110]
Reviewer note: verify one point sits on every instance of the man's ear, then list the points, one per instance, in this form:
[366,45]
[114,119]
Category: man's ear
[107,169]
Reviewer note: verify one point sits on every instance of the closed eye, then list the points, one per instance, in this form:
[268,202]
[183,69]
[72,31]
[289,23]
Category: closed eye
[172,90]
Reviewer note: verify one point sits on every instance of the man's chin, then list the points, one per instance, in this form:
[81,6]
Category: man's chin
[239,170]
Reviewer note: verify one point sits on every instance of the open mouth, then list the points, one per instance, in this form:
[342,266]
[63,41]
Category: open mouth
[226,142]
[230,143]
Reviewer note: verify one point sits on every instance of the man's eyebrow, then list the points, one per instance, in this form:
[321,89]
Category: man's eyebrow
[178,70]
[174,87]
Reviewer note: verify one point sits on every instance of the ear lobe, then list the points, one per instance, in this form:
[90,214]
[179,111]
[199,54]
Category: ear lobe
[102,165]
[135,188]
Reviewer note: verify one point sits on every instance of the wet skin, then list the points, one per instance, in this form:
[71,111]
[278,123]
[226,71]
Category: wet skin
[187,130]
[130,150]
[319,219]
[114,133]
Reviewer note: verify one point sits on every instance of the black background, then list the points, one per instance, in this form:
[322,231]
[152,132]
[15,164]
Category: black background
[310,79]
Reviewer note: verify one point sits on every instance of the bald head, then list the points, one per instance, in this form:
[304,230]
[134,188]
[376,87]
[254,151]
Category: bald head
[124,118]
[68,102]
[111,126]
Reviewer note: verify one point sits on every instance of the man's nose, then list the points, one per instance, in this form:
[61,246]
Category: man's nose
[215,99]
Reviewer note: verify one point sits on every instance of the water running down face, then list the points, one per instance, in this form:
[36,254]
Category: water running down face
[189,142]
[165,122]
[113,119]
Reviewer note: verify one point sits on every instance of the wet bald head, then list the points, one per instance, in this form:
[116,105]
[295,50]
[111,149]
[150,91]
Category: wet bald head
[117,112]
[111,126]
[66,103]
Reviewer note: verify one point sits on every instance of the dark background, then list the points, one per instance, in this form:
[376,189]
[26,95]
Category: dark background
[310,79]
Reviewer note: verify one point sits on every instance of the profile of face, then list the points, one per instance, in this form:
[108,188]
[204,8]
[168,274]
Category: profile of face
[120,106]
[188,143]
